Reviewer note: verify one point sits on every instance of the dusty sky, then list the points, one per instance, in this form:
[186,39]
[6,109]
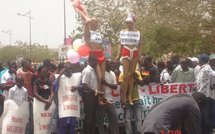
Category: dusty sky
[47,23]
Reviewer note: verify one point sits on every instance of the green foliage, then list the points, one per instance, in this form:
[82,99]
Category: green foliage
[21,49]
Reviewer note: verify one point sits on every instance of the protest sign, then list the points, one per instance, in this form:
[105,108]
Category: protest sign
[129,37]
[42,117]
[14,118]
[149,96]
[69,102]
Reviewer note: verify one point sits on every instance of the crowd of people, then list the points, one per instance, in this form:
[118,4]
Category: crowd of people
[95,80]
[22,83]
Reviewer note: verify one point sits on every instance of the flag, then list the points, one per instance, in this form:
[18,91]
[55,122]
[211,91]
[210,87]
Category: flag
[68,41]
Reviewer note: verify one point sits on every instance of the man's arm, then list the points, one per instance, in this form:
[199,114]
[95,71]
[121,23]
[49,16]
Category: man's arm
[113,86]
[37,96]
[87,89]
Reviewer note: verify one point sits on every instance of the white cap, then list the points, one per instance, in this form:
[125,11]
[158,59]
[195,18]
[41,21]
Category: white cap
[195,59]
[131,18]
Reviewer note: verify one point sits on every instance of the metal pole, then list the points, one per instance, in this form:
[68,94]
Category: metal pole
[10,37]
[30,31]
[64,22]
[28,14]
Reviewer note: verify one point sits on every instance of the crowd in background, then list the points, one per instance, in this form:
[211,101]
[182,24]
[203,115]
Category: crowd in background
[22,82]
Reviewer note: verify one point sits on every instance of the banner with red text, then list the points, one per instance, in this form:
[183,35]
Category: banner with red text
[14,118]
[153,94]
[149,95]
[42,117]
[69,102]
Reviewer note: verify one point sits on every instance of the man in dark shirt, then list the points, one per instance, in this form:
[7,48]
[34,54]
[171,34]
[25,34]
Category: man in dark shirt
[149,71]
[177,114]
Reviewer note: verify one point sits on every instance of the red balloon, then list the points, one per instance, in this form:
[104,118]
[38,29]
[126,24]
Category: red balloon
[83,50]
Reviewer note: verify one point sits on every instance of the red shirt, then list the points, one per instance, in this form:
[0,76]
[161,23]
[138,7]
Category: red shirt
[28,80]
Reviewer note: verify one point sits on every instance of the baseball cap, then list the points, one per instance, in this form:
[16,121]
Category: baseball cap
[195,59]
[212,57]
[203,58]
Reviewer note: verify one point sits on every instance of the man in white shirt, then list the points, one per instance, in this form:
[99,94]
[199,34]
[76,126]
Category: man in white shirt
[165,76]
[90,83]
[183,73]
[8,78]
[110,84]
[7,81]
[205,79]
[212,61]
[195,65]
[18,93]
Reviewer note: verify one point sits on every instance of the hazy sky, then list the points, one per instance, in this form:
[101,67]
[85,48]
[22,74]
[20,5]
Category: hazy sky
[47,23]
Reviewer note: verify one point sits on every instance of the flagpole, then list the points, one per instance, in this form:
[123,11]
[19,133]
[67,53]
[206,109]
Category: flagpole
[64,22]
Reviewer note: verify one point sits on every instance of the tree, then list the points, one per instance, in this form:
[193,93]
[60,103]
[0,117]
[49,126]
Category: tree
[184,27]
[21,49]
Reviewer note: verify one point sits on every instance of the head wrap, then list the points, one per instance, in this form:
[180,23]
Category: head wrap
[131,18]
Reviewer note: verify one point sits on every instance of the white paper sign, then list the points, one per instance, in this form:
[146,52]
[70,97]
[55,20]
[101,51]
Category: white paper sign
[42,117]
[69,102]
[129,37]
[95,37]
[14,118]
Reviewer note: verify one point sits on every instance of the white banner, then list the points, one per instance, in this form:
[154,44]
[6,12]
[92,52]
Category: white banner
[69,102]
[129,37]
[42,117]
[14,118]
[154,94]
[149,95]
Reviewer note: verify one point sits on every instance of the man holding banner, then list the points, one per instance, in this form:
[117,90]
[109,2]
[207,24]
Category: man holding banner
[16,112]
[18,93]
[69,102]
[43,106]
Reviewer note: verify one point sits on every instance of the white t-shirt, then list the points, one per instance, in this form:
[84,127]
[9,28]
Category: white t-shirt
[7,77]
[110,78]
[19,95]
[165,77]
[196,71]
[89,77]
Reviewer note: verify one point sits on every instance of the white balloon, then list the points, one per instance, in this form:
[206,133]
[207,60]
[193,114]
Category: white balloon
[77,43]
[73,57]
[69,52]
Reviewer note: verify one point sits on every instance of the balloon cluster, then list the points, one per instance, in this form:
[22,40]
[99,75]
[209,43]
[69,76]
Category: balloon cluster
[79,53]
